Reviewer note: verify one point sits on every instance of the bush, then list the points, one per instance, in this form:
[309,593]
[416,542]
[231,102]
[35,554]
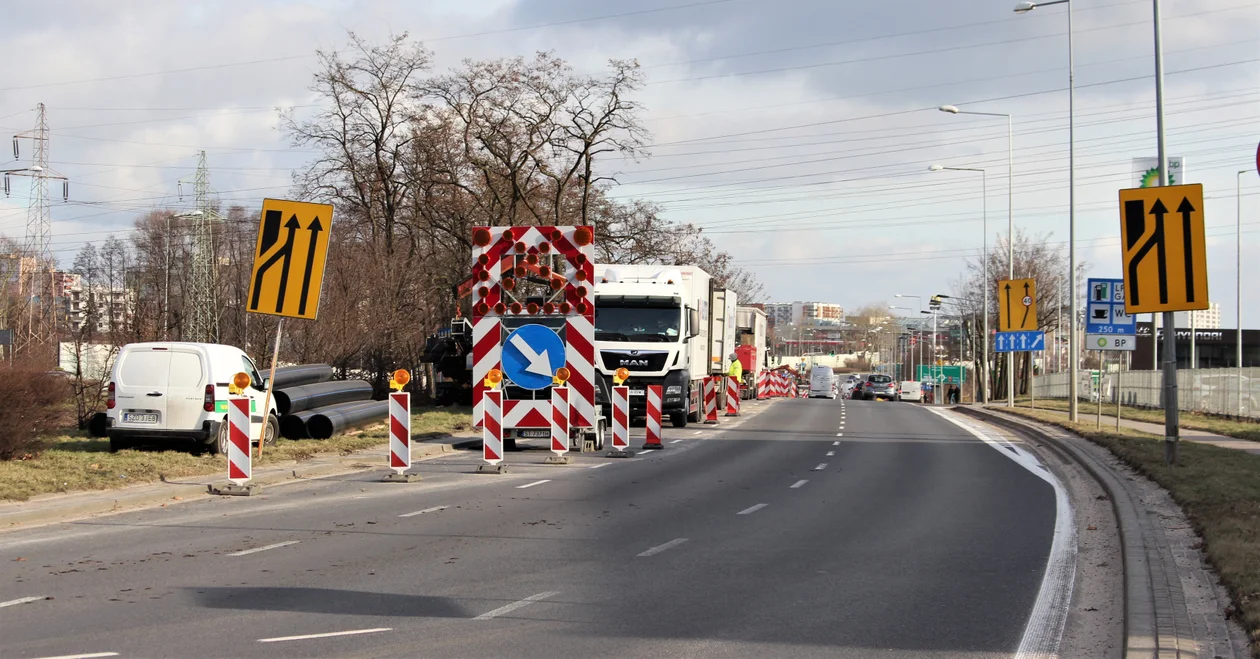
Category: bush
[34,405]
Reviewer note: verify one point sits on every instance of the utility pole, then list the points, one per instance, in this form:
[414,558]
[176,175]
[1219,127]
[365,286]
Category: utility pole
[203,325]
[1172,414]
[36,266]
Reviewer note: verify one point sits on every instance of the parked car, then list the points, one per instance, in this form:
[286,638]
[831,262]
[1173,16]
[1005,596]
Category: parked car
[846,389]
[160,393]
[858,379]
[879,386]
[910,390]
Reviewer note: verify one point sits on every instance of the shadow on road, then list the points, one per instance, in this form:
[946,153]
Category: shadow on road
[327,600]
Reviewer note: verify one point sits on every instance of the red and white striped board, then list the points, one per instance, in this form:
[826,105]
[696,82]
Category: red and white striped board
[732,395]
[497,253]
[492,426]
[240,458]
[710,400]
[559,420]
[399,431]
[653,417]
[763,385]
[620,418]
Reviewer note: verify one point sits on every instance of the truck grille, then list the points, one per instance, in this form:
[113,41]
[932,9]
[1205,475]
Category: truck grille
[643,361]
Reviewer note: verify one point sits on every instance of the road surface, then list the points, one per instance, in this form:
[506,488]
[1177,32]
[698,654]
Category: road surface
[817,528]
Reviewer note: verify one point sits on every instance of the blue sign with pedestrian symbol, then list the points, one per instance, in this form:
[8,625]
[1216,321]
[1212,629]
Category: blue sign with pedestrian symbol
[531,356]
[1019,341]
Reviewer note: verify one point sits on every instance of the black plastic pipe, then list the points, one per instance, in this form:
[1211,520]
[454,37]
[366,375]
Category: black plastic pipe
[292,400]
[325,425]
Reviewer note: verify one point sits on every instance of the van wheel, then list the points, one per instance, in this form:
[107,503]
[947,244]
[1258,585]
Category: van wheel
[509,443]
[117,444]
[272,431]
[221,439]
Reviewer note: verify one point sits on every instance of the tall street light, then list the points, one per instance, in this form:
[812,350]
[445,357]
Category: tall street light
[1010,234]
[1238,285]
[920,341]
[984,260]
[907,351]
[1073,348]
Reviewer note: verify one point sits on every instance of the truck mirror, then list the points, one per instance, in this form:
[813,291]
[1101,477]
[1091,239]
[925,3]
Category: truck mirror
[693,322]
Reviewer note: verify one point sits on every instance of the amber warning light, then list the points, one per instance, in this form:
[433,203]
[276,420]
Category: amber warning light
[399,379]
[621,375]
[493,378]
[239,382]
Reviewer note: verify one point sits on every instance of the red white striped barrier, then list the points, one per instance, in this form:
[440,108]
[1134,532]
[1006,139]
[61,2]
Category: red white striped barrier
[559,420]
[399,431]
[240,460]
[732,395]
[653,417]
[620,418]
[492,426]
[763,385]
[710,400]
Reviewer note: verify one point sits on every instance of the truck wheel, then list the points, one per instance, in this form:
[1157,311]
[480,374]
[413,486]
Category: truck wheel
[599,435]
[679,419]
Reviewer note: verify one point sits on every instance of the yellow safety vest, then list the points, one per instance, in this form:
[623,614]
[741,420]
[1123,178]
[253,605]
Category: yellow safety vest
[737,369]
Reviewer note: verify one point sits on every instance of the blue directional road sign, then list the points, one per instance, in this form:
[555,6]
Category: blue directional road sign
[1019,341]
[1105,308]
[531,355]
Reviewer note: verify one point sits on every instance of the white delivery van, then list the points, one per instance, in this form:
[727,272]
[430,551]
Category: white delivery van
[171,392]
[910,390]
[822,382]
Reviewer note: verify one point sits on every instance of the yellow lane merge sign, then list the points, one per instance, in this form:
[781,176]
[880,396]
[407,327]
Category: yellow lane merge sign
[1165,251]
[289,259]
[1017,305]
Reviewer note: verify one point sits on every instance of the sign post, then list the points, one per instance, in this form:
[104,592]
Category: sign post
[288,272]
[1164,250]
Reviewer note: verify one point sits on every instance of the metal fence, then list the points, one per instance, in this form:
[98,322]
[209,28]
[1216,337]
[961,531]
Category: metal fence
[1224,391]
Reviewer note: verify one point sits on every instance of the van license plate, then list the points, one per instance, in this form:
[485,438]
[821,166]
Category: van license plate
[140,418]
[538,433]
[638,392]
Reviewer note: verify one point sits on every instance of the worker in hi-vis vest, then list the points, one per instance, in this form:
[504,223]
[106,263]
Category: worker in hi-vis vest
[737,369]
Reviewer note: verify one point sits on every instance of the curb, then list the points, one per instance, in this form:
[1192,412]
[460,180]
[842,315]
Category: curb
[165,492]
[1155,614]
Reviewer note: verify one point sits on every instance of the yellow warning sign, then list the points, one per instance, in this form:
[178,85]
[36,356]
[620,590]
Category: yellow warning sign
[1164,249]
[1017,305]
[289,258]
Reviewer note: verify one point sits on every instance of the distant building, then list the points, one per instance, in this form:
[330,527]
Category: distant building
[805,314]
[113,307]
[1209,318]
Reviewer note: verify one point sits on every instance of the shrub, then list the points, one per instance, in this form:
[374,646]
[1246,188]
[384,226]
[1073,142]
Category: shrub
[33,404]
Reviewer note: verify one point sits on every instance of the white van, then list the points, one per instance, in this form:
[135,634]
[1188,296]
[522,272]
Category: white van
[164,392]
[822,381]
[910,390]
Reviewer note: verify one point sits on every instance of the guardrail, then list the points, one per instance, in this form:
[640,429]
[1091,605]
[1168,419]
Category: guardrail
[1224,391]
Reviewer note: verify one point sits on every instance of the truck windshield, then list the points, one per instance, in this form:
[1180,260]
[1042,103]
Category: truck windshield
[621,323]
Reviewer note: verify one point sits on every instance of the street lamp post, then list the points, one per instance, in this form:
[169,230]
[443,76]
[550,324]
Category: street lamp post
[920,341]
[1073,348]
[906,351]
[984,260]
[1238,285]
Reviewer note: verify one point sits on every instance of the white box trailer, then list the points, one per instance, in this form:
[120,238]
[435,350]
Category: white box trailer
[750,330]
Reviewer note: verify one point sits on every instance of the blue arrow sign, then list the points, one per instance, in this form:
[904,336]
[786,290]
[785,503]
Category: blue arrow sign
[531,356]
[1030,341]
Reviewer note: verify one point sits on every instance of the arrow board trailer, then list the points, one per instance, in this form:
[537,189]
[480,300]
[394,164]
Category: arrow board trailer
[533,313]
[659,323]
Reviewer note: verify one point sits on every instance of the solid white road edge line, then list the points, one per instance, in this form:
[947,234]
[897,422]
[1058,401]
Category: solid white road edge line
[516,605]
[23,600]
[521,487]
[753,509]
[1045,625]
[426,510]
[92,655]
[255,550]
[660,548]
[798,484]
[351,632]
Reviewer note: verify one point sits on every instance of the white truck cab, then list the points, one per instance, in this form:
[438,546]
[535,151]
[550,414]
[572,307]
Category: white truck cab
[167,391]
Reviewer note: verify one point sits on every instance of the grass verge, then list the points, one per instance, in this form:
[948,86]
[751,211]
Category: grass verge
[1219,490]
[1249,430]
[76,462]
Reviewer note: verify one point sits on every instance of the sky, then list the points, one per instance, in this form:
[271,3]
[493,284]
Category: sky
[797,133]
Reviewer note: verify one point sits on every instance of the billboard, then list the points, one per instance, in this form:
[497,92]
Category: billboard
[1146,171]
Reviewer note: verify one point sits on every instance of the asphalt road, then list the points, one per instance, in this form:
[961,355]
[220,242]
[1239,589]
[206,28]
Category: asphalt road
[815,529]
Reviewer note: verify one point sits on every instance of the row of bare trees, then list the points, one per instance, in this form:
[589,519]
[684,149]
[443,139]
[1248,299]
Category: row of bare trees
[411,159]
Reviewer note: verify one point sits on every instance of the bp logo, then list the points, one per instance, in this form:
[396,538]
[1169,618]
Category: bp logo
[1102,342]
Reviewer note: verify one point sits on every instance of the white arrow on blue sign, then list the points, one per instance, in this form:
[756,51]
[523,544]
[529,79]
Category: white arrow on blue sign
[1030,341]
[531,356]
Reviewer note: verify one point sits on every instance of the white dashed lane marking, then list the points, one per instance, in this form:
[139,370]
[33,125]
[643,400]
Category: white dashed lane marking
[426,510]
[660,548]
[255,550]
[752,509]
[798,484]
[304,637]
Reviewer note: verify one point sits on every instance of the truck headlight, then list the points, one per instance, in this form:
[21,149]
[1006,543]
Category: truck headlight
[673,389]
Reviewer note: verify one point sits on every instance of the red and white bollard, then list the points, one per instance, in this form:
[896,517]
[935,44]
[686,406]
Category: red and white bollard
[559,426]
[240,459]
[620,418]
[763,382]
[653,440]
[710,400]
[492,430]
[732,395]
[400,437]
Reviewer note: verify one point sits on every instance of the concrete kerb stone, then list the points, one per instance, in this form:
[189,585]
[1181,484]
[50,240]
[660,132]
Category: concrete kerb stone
[52,509]
[1155,615]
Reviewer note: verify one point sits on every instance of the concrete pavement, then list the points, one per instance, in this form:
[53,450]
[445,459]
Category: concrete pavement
[817,528]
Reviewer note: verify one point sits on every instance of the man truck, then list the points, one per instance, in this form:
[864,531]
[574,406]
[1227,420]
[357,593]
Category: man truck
[667,325]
